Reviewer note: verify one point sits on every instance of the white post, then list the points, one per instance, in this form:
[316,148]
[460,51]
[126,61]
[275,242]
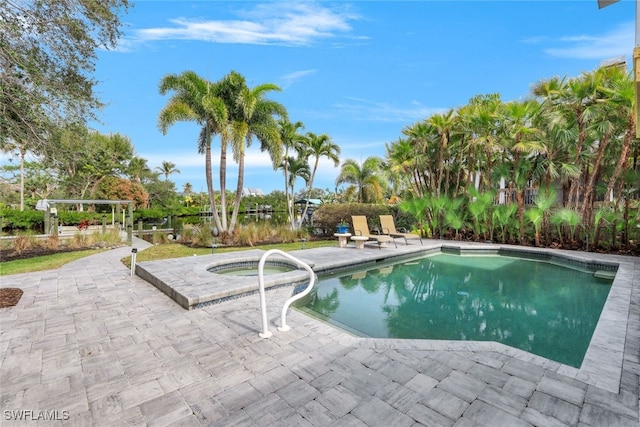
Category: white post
[134,252]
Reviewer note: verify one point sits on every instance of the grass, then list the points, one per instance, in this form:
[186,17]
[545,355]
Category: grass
[153,253]
[45,262]
[173,250]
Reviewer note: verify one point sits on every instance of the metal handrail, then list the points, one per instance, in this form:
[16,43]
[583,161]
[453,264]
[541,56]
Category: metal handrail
[263,304]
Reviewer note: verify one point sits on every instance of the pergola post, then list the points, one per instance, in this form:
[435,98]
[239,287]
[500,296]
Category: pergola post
[117,216]
[129,224]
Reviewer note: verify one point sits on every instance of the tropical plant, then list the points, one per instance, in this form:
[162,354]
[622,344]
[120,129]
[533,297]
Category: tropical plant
[416,207]
[291,140]
[251,116]
[318,146]
[364,179]
[197,100]
[167,168]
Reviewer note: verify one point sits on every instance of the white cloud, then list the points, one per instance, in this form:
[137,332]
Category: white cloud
[361,109]
[291,78]
[617,42]
[286,23]
[253,158]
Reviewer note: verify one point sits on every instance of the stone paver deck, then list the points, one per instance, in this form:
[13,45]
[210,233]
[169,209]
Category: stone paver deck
[88,344]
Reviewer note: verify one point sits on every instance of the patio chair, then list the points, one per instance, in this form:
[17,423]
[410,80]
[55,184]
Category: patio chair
[361,228]
[389,227]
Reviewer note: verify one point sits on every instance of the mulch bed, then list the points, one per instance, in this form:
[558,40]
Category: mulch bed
[9,297]
[11,255]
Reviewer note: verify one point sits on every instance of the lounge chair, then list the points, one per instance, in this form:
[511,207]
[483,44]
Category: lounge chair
[389,227]
[361,228]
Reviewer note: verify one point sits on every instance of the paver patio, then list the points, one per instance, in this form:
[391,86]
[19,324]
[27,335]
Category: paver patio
[88,344]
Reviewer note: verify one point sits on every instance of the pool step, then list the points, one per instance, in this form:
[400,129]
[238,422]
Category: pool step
[605,274]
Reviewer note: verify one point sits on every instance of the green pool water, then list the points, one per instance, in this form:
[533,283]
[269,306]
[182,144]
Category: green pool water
[539,307]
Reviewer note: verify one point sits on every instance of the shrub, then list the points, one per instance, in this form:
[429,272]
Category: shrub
[159,238]
[27,220]
[188,231]
[202,236]
[24,242]
[329,215]
[81,240]
[52,242]
[108,239]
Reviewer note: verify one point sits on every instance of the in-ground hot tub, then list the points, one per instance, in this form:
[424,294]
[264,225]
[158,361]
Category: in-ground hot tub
[199,281]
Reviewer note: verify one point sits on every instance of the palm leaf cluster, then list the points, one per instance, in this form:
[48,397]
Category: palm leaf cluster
[238,114]
[572,142]
[230,109]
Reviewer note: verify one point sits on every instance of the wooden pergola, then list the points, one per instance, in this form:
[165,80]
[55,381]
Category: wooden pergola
[51,213]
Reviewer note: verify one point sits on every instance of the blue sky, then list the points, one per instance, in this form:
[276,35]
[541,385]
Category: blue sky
[359,71]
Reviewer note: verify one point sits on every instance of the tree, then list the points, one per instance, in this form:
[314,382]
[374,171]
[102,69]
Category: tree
[251,116]
[82,158]
[443,124]
[197,100]
[319,146]
[47,54]
[291,139]
[116,188]
[167,168]
[298,168]
[364,179]
[138,169]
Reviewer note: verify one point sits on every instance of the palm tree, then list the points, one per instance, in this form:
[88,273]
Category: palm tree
[520,143]
[400,159]
[196,100]
[319,146]
[420,138]
[251,115]
[443,124]
[298,168]
[291,140]
[167,168]
[137,168]
[364,179]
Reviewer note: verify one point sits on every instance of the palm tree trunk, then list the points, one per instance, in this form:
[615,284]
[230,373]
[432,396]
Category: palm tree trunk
[236,204]
[587,205]
[209,178]
[223,184]
[309,187]
[624,154]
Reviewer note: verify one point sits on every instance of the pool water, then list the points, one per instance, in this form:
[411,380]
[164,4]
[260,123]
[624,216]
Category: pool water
[539,307]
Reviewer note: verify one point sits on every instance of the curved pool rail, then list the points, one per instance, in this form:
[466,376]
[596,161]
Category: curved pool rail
[263,304]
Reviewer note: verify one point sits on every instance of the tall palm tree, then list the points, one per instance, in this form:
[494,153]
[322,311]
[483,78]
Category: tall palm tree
[197,100]
[420,138]
[298,168]
[167,168]
[519,139]
[291,140]
[319,146]
[364,179]
[251,115]
[443,124]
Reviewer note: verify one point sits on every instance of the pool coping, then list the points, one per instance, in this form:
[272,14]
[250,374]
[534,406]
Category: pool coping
[187,281]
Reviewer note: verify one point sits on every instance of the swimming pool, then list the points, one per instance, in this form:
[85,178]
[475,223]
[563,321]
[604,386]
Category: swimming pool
[540,307]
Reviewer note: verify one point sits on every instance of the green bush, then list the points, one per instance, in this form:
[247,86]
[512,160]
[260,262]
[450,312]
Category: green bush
[13,219]
[329,215]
